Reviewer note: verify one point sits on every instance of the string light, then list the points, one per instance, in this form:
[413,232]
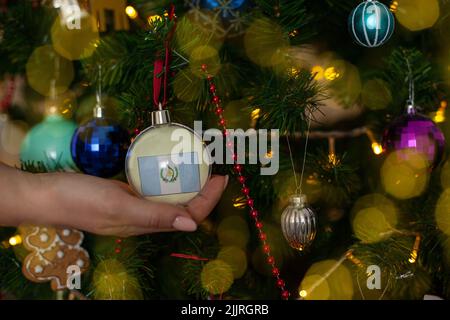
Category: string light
[131,12]
[349,255]
[12,241]
[439,117]
[15,240]
[333,159]
[377,148]
[393,7]
[293,33]
[317,72]
[256,114]
[154,20]
[331,74]
[293,72]
[415,250]
[303,293]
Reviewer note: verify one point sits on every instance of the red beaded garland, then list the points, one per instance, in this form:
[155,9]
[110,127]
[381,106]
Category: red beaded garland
[275,272]
[245,190]
[280,283]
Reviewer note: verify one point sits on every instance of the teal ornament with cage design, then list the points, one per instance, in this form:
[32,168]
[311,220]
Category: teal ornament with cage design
[371,24]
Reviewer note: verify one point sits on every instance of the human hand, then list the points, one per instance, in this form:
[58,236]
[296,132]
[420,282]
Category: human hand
[108,207]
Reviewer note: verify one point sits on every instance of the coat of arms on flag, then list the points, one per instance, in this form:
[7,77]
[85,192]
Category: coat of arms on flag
[161,176]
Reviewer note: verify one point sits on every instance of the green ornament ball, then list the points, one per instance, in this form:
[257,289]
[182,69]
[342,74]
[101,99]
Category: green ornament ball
[48,143]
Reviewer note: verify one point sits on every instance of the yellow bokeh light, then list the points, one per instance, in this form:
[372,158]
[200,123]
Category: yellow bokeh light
[186,86]
[373,218]
[443,212]
[370,225]
[314,287]
[331,74]
[377,148]
[15,240]
[112,282]
[327,280]
[376,94]
[78,43]
[131,12]
[47,72]
[404,174]
[347,88]
[189,25]
[216,277]
[445,175]
[446,251]
[236,258]
[233,231]
[265,43]
[204,54]
[417,15]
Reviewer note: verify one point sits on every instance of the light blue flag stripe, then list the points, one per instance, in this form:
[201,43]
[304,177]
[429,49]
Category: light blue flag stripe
[149,175]
[188,174]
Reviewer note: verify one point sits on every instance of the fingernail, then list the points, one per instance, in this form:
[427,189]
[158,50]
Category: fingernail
[226,182]
[184,224]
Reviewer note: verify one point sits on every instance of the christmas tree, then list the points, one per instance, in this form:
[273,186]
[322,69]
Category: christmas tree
[359,204]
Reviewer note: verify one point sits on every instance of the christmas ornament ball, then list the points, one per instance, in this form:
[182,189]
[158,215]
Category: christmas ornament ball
[167,162]
[371,24]
[99,147]
[417,132]
[49,143]
[298,223]
[217,4]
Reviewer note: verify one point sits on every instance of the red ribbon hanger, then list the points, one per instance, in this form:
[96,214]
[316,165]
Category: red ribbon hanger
[163,65]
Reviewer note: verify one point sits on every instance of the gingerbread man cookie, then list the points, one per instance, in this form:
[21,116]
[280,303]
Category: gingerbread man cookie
[53,251]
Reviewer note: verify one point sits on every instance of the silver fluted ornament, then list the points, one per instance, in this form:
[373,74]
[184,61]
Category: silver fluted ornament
[298,222]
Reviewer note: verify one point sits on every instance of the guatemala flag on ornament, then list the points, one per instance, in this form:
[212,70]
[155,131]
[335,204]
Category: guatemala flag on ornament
[160,175]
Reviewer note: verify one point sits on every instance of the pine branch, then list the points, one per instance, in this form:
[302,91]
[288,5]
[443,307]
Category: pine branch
[286,102]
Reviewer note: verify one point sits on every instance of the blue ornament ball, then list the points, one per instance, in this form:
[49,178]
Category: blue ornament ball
[224,6]
[99,147]
[371,24]
[48,143]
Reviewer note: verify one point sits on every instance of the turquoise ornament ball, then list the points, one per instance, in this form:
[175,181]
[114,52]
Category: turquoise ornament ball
[371,24]
[49,143]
